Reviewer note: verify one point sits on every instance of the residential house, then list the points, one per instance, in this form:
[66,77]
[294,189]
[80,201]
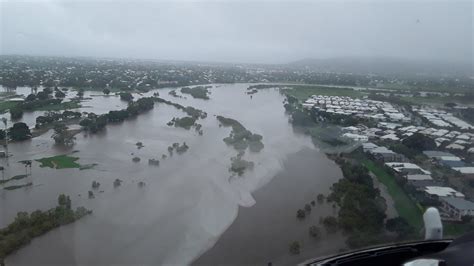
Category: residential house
[456,208]
[438,192]
[385,155]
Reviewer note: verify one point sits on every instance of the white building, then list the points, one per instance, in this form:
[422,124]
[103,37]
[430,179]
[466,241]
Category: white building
[418,177]
[406,167]
[356,137]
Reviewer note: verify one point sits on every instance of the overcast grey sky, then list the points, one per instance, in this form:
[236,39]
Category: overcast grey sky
[239,31]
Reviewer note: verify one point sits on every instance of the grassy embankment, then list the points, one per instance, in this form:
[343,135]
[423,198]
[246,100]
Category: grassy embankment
[5,105]
[405,207]
[437,100]
[303,92]
[430,88]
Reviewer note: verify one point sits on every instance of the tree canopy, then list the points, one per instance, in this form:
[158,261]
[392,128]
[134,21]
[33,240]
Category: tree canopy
[419,142]
[16,113]
[62,136]
[19,131]
[126,96]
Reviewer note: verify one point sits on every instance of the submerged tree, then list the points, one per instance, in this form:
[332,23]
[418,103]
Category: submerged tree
[301,214]
[314,231]
[320,198]
[62,135]
[295,247]
[117,182]
[59,94]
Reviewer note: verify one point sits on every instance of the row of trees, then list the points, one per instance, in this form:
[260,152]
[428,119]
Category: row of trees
[27,226]
[95,123]
[52,117]
[362,208]
[191,111]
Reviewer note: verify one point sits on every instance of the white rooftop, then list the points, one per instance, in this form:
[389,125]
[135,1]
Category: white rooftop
[443,192]
[465,170]
[419,177]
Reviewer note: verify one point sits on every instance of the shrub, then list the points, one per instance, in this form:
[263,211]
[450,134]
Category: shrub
[330,223]
[295,247]
[301,214]
[16,113]
[314,231]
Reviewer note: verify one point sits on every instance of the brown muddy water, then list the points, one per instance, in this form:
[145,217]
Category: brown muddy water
[189,201]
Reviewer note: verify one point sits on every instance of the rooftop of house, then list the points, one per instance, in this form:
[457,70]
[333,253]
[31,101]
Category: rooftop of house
[419,177]
[402,167]
[423,183]
[465,170]
[434,154]
[381,150]
[454,146]
[449,158]
[443,191]
[460,203]
[369,145]
[453,164]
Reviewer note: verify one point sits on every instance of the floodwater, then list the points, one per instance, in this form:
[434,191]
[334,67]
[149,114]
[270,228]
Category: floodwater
[262,233]
[189,200]
[94,101]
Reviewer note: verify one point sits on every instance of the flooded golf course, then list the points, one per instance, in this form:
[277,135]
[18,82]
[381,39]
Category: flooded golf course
[192,208]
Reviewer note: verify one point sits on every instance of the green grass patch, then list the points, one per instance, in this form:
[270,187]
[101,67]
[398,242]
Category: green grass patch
[405,207]
[455,230]
[437,100]
[302,93]
[420,87]
[5,105]
[59,162]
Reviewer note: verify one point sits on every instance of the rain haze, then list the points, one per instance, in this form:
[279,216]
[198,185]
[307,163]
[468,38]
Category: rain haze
[239,31]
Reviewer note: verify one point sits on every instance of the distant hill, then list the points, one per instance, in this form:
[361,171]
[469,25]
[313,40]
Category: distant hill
[384,66]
